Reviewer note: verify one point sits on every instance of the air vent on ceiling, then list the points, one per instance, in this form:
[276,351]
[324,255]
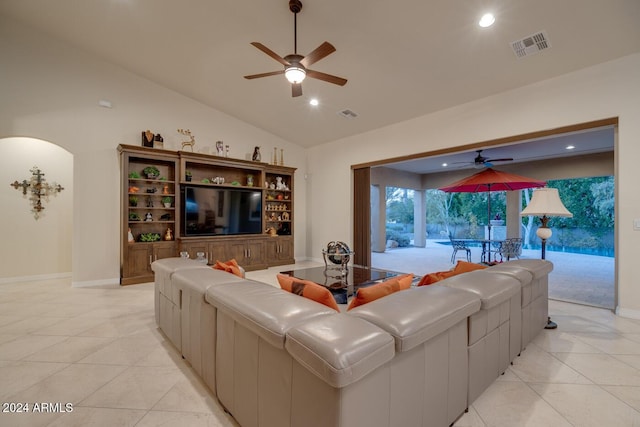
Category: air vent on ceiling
[347,114]
[531,45]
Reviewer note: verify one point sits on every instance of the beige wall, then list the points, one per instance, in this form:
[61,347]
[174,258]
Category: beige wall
[35,248]
[51,91]
[607,90]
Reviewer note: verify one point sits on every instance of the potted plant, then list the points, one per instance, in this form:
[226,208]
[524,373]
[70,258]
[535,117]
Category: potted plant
[497,219]
[133,216]
[134,175]
[133,201]
[166,201]
[151,172]
[188,175]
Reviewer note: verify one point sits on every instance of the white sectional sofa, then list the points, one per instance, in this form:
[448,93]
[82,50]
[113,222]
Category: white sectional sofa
[416,357]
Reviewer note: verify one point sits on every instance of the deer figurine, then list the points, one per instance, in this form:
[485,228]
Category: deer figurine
[191,142]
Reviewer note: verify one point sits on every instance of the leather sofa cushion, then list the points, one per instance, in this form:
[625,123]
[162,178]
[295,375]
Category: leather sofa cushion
[416,315]
[339,349]
[164,270]
[538,267]
[524,276]
[203,278]
[265,310]
[492,289]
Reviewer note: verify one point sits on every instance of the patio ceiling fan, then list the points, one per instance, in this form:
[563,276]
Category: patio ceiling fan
[296,65]
[480,161]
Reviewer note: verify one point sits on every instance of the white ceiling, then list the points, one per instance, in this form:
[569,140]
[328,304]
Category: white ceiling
[402,59]
[585,142]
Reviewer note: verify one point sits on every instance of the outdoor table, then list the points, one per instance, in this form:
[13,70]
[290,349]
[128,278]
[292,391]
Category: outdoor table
[486,247]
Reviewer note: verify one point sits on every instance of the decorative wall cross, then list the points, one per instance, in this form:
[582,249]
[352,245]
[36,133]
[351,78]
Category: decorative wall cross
[38,188]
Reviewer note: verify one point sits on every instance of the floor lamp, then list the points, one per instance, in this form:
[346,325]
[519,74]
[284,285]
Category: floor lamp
[546,203]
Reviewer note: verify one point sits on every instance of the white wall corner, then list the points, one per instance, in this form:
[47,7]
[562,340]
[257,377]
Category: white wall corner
[628,313]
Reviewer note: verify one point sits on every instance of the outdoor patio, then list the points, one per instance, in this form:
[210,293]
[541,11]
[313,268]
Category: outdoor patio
[583,279]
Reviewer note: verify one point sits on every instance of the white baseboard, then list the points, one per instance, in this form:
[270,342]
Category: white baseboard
[103,282]
[20,279]
[628,312]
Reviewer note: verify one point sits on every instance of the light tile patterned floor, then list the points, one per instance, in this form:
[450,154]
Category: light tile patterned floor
[99,349]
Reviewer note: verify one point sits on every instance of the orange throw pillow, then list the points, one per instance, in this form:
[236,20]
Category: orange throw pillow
[431,278]
[308,289]
[230,266]
[465,267]
[372,293]
[461,267]
[405,281]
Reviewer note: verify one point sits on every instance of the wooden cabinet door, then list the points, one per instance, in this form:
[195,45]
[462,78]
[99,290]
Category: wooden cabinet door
[139,260]
[237,250]
[164,250]
[285,249]
[217,251]
[192,248]
[279,251]
[255,253]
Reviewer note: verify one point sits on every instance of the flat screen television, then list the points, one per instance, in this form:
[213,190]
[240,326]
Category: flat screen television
[208,211]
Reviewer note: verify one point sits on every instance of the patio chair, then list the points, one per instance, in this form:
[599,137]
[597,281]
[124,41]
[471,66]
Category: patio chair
[511,248]
[459,245]
[495,248]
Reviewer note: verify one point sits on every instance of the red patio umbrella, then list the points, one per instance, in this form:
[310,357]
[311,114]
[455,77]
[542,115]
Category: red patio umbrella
[492,180]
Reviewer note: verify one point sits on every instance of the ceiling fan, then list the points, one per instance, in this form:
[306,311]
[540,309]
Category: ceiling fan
[480,161]
[295,65]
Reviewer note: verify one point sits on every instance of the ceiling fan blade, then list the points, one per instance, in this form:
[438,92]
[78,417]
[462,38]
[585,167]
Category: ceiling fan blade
[270,53]
[326,77]
[257,76]
[296,89]
[320,52]
[499,160]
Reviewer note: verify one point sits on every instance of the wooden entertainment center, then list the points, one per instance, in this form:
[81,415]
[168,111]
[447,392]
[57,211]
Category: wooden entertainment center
[154,224]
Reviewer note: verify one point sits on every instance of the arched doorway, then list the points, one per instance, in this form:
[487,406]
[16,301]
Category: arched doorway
[35,248]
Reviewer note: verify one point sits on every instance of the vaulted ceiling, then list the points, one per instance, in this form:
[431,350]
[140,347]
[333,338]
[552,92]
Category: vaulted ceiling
[402,59]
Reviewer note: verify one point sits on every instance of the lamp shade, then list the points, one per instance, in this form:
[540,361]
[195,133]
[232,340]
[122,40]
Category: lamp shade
[546,202]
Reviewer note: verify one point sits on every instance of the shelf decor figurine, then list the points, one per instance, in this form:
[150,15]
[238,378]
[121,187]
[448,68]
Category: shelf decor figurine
[192,139]
[147,138]
[256,155]
[168,235]
[158,141]
[220,148]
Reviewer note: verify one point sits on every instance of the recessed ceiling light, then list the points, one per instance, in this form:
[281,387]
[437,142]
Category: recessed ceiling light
[444,165]
[314,102]
[570,147]
[487,20]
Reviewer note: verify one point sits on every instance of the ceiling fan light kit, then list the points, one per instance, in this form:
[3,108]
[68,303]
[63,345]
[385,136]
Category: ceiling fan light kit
[296,66]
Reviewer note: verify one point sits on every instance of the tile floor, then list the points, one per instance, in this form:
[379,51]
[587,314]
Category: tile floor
[99,349]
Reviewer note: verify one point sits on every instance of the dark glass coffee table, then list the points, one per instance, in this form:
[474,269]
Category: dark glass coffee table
[342,286]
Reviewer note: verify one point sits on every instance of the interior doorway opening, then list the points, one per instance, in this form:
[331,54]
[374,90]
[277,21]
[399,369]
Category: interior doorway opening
[38,248]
